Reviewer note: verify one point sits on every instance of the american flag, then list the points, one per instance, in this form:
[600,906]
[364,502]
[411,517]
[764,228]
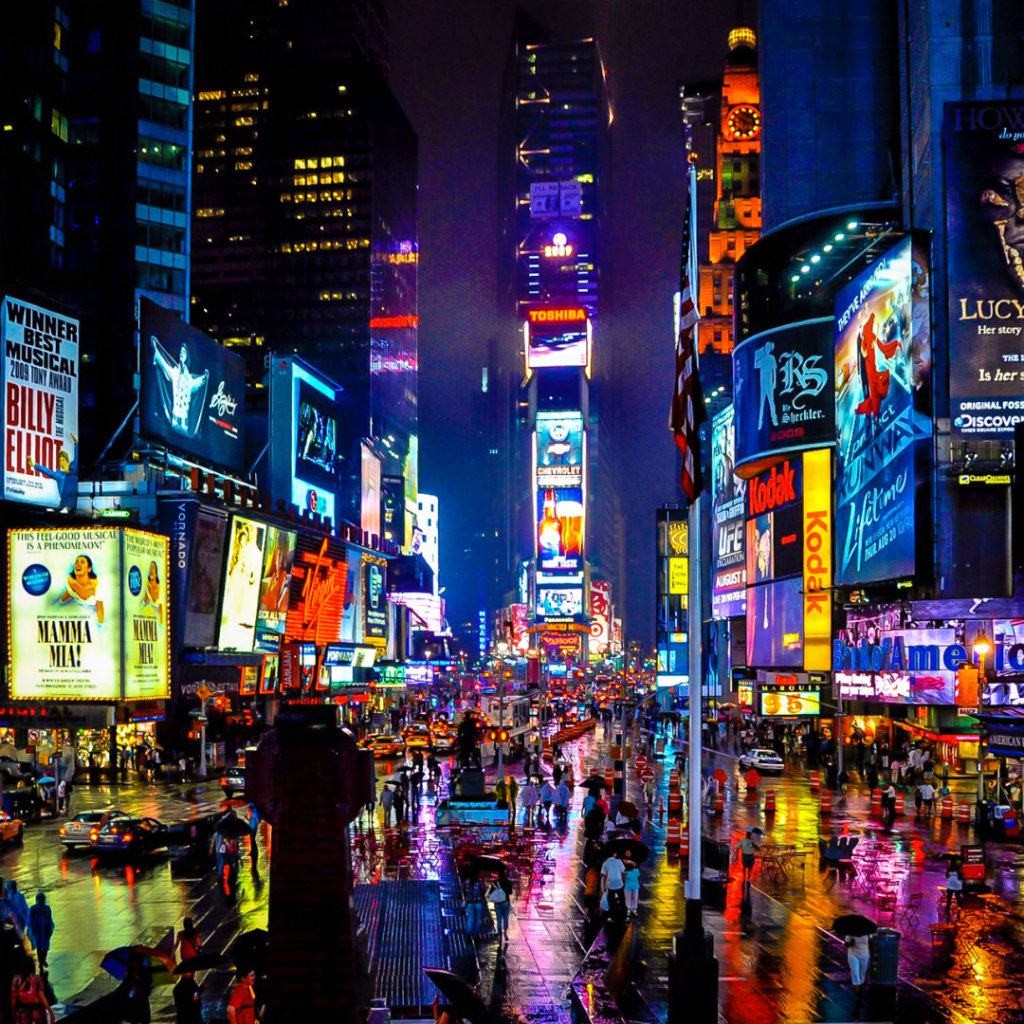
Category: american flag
[688,412]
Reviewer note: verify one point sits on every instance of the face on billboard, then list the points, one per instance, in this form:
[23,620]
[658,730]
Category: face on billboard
[39,405]
[559,449]
[243,573]
[560,529]
[729,492]
[193,390]
[985,233]
[275,588]
[782,381]
[775,624]
[147,648]
[556,602]
[316,433]
[64,607]
[876,423]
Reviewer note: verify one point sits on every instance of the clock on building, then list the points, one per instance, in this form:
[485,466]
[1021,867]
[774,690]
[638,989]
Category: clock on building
[744,122]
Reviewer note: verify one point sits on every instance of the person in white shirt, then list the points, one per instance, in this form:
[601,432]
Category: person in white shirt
[858,953]
[928,798]
[613,885]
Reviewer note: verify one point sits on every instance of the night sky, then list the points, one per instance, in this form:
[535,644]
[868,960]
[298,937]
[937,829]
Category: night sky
[447,62]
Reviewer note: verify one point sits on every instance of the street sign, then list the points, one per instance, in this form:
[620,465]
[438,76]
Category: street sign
[647,775]
[720,776]
[752,779]
[204,693]
[641,763]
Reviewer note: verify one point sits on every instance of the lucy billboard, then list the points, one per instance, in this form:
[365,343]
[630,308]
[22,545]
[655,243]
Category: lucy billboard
[984,175]
[39,376]
[876,389]
[729,493]
[782,380]
[88,614]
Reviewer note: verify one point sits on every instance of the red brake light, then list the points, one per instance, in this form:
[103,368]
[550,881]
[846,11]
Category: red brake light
[224,781]
[128,837]
[63,831]
[93,834]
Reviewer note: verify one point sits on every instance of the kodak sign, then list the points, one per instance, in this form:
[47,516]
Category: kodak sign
[774,489]
[817,559]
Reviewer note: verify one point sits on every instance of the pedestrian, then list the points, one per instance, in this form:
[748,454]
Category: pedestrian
[588,802]
[927,792]
[556,774]
[513,796]
[416,786]
[632,887]
[28,995]
[398,803]
[476,908]
[954,887]
[134,991]
[18,905]
[254,827]
[562,800]
[858,953]
[872,778]
[894,771]
[650,792]
[918,800]
[501,792]
[188,941]
[242,1004]
[69,790]
[188,1000]
[41,927]
[387,799]
[530,798]
[746,853]
[499,896]
[889,799]
[613,881]
[433,768]
[844,781]
[591,893]
[547,798]
[62,793]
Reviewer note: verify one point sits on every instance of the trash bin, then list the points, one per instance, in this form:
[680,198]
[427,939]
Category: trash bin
[887,956]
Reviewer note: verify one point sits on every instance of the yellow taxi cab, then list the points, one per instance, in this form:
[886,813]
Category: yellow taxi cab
[385,745]
[11,829]
[417,737]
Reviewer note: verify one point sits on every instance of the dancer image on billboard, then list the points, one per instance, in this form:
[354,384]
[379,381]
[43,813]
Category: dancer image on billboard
[65,475]
[151,593]
[182,393]
[874,382]
[83,587]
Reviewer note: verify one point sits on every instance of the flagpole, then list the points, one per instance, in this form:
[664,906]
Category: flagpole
[694,923]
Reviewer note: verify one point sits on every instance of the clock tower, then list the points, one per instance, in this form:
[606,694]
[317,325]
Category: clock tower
[736,223]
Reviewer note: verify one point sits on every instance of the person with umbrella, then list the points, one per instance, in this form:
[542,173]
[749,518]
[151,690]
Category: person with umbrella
[188,1000]
[134,990]
[613,880]
[562,800]
[530,797]
[856,931]
[188,942]
[254,825]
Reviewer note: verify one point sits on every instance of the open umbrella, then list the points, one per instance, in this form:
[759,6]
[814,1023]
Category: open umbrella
[594,782]
[628,849]
[115,963]
[630,810]
[232,828]
[485,862]
[249,949]
[46,780]
[460,996]
[854,926]
[755,831]
[226,805]
[201,962]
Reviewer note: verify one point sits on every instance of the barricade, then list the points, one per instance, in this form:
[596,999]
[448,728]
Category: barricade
[720,801]
[947,807]
[674,836]
[769,802]
[899,808]
[609,780]
[684,843]
[815,781]
[825,807]
[675,805]
[964,817]
[876,802]
[673,780]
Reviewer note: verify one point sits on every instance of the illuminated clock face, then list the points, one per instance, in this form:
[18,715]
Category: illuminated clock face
[744,122]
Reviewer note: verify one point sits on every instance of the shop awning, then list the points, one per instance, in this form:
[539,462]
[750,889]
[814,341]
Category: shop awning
[1004,728]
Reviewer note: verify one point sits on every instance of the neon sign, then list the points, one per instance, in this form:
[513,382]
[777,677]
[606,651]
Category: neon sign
[385,323]
[555,251]
[553,316]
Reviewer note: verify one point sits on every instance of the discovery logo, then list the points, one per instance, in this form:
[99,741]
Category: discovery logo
[968,423]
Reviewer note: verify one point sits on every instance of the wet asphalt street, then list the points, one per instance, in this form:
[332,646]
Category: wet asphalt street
[778,962]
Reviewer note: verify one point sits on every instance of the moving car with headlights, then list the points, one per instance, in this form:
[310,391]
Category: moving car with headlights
[386,745]
[762,760]
[233,781]
[444,740]
[76,832]
[131,836]
[11,829]
[417,737]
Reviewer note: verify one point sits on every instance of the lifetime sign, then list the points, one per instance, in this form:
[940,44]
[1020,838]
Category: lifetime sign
[893,655]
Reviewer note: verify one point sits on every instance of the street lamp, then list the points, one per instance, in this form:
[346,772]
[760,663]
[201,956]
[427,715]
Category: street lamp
[982,646]
[502,651]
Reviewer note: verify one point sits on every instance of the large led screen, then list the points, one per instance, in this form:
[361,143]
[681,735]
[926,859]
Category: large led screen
[243,573]
[876,423]
[39,405]
[559,602]
[729,495]
[193,390]
[775,624]
[985,245]
[559,449]
[566,347]
[560,529]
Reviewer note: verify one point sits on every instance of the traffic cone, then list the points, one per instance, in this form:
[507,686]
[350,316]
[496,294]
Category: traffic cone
[673,780]
[825,806]
[720,801]
[684,843]
[899,803]
[876,802]
[769,802]
[947,807]
[675,805]
[675,835]
[661,809]
[815,781]
[964,817]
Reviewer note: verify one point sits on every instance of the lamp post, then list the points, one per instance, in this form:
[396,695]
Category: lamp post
[502,651]
[982,646]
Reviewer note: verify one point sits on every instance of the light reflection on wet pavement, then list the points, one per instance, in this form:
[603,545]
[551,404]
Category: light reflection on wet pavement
[777,961]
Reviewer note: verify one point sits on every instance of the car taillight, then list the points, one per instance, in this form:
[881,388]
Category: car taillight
[93,834]
[224,781]
[128,837]
[113,828]
[63,830]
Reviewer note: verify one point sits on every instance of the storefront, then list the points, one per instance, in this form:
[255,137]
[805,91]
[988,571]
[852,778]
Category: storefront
[42,732]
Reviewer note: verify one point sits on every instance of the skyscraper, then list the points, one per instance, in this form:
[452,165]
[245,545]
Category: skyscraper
[554,284]
[306,208]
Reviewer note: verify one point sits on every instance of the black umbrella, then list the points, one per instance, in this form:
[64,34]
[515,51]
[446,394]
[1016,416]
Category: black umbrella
[593,782]
[854,926]
[484,862]
[627,849]
[232,828]
[201,962]
[460,996]
[249,949]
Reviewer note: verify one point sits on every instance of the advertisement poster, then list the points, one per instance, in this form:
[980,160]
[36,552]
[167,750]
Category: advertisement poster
[320,570]
[204,581]
[778,702]
[275,588]
[64,609]
[729,495]
[876,424]
[392,509]
[39,404]
[560,529]
[369,508]
[352,614]
[243,572]
[557,337]
[783,388]
[559,602]
[775,624]
[601,615]
[984,208]
[559,449]
[145,590]
[192,390]
[375,603]
[520,638]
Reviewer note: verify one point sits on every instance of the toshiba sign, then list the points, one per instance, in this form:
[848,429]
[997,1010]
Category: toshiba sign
[557,316]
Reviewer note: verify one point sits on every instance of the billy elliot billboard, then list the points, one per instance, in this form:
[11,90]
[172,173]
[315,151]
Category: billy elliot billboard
[882,384]
[783,389]
[984,152]
[729,571]
[39,374]
[193,390]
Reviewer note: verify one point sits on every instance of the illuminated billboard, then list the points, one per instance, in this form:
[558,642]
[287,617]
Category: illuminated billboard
[778,702]
[304,425]
[243,573]
[560,525]
[39,405]
[369,505]
[559,449]
[557,337]
[876,422]
[601,615]
[559,602]
[88,613]
[817,559]
[375,605]
[316,604]
[192,395]
[729,494]
[984,165]
[275,588]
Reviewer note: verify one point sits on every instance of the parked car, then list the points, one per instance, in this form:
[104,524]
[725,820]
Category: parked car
[77,831]
[131,836]
[11,829]
[233,781]
[762,760]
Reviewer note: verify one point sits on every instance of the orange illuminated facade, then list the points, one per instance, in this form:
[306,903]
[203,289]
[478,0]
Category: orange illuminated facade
[737,217]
